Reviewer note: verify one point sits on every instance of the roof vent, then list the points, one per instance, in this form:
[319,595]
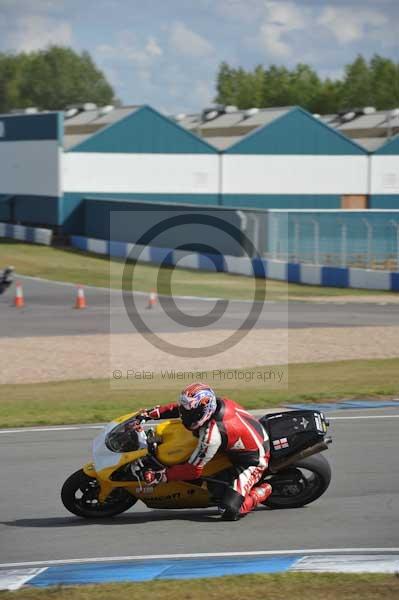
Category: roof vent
[368,110]
[230,109]
[104,110]
[349,116]
[209,115]
[89,106]
[71,112]
[180,117]
[250,112]
[31,110]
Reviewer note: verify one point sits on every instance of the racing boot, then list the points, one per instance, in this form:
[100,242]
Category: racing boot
[257,495]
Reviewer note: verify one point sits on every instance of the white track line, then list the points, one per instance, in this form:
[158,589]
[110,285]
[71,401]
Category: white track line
[56,428]
[362,417]
[45,429]
[71,561]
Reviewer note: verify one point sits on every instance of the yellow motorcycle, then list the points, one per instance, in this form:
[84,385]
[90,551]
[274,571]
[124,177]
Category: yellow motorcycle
[114,481]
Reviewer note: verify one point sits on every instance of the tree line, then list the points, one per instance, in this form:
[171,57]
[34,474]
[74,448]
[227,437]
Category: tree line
[51,79]
[364,83]
[56,77]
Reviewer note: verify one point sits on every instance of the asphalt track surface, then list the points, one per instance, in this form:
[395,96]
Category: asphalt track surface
[49,311]
[360,509]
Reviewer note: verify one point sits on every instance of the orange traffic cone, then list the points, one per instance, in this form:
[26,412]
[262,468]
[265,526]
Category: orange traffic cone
[19,301]
[152,299]
[80,298]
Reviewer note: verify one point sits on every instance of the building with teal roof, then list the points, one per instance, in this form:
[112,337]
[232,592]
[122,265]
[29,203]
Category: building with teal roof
[294,161]
[133,154]
[53,166]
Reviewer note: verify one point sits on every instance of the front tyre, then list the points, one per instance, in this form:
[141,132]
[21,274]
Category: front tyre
[79,495]
[300,484]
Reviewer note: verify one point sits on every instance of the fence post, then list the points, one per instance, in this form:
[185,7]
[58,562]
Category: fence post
[344,238]
[396,225]
[369,241]
[275,234]
[296,239]
[316,226]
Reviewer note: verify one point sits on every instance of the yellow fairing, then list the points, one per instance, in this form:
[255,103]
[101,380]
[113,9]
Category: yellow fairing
[176,447]
[178,443]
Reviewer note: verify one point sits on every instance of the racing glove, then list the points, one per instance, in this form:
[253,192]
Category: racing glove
[155,477]
[150,413]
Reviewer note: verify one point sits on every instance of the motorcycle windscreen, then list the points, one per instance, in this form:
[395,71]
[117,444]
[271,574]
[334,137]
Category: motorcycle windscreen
[104,458]
[128,436]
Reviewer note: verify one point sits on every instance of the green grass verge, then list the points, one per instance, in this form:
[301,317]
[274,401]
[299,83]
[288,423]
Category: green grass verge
[93,400]
[90,269]
[293,586]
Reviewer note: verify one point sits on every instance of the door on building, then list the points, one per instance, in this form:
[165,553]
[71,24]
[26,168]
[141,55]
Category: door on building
[354,201]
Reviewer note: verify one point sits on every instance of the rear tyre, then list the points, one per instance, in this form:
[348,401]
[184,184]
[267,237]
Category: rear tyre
[300,484]
[79,495]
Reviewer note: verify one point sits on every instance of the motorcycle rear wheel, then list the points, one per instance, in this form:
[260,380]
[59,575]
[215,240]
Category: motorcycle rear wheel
[309,478]
[79,495]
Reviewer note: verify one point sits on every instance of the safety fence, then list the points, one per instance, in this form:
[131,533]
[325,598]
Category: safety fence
[364,239]
[341,277]
[35,235]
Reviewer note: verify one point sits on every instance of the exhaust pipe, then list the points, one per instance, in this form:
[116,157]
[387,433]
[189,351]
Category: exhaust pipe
[277,466]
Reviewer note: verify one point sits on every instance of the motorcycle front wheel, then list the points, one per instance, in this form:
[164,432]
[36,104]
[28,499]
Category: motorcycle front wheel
[79,495]
[300,484]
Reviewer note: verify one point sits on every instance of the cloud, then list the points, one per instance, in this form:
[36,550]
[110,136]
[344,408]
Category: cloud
[131,47]
[152,47]
[348,25]
[140,53]
[32,6]
[33,32]
[133,55]
[203,93]
[248,11]
[187,42]
[281,18]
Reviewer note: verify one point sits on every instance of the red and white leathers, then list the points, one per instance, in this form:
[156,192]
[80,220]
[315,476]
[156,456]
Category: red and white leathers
[231,429]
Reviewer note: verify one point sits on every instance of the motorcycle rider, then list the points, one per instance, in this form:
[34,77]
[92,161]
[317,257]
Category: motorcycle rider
[219,424]
[6,279]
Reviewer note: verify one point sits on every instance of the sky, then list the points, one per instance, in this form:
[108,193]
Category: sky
[166,53]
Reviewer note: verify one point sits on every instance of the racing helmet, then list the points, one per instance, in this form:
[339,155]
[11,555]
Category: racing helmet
[197,405]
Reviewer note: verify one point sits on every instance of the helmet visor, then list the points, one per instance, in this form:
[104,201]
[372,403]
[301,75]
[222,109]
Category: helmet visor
[192,417]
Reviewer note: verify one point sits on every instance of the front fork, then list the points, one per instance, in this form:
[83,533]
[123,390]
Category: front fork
[105,487]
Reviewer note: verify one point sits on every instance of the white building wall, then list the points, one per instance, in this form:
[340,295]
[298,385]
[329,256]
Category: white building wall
[384,174]
[288,174]
[140,173]
[29,168]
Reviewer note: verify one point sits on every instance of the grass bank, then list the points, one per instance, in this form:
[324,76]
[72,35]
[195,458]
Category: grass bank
[91,400]
[293,586]
[89,269]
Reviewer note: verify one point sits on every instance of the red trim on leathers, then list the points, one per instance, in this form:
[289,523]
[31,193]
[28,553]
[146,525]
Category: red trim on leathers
[237,432]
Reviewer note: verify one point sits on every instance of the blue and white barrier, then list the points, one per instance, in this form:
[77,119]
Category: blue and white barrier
[34,235]
[340,277]
[135,569]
